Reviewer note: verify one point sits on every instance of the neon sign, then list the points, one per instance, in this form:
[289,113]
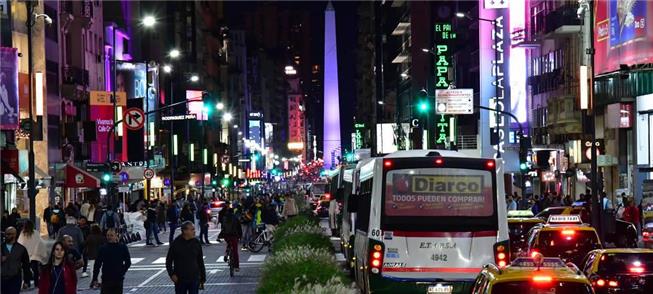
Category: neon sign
[443,35]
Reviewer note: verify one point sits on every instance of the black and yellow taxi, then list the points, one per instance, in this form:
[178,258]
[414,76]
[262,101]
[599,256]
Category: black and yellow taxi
[564,236]
[535,274]
[620,270]
[520,222]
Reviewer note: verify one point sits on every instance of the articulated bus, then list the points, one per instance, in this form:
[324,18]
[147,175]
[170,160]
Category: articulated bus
[426,221]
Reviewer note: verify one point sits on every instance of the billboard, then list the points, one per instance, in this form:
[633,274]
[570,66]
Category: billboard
[196,105]
[102,114]
[622,34]
[8,88]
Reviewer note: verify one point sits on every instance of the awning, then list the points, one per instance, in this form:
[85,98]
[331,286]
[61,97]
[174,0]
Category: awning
[78,178]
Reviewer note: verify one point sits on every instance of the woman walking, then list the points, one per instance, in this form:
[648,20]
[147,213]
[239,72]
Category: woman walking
[58,276]
[35,249]
[94,240]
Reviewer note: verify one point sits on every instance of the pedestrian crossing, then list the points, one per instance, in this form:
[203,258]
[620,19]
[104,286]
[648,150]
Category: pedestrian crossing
[162,260]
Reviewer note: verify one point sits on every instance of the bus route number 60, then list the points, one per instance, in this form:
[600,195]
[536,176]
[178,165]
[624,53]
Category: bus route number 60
[376,233]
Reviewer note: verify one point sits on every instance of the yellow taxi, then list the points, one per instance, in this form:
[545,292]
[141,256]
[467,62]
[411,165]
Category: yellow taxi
[564,236]
[619,270]
[535,274]
[519,226]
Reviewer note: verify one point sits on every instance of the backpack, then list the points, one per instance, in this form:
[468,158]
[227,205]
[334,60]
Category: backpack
[54,218]
[246,217]
[110,222]
[229,223]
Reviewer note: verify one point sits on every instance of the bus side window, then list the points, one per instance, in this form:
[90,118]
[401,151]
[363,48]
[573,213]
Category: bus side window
[363,206]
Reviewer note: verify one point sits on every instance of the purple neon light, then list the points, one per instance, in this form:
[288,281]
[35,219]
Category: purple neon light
[331,142]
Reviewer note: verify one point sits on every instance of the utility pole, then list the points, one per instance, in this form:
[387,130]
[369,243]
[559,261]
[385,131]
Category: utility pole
[31,185]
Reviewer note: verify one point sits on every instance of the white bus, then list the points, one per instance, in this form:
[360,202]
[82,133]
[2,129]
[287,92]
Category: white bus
[427,221]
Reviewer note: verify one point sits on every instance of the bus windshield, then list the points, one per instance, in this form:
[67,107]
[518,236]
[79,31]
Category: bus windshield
[452,194]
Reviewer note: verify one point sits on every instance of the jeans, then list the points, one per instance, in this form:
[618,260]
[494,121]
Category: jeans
[232,242]
[85,262]
[11,285]
[204,232]
[187,287]
[247,233]
[111,287]
[171,237]
[152,229]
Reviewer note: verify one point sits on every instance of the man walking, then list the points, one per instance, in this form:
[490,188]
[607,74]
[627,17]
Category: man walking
[114,259]
[110,220]
[14,259]
[151,225]
[71,229]
[185,261]
[203,216]
[173,220]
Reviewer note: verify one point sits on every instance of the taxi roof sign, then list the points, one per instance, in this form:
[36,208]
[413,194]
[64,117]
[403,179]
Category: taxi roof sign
[564,219]
[550,262]
[520,213]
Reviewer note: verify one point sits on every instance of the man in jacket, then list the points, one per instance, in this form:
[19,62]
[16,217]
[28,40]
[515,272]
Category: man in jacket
[203,214]
[173,220]
[231,232]
[14,259]
[185,261]
[114,260]
[71,229]
[151,226]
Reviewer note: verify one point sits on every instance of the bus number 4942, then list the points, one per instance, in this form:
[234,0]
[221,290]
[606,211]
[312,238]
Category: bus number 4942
[439,257]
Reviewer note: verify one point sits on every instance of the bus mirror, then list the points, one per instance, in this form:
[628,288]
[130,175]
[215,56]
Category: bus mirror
[352,203]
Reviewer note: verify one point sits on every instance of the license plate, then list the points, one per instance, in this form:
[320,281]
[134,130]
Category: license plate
[440,289]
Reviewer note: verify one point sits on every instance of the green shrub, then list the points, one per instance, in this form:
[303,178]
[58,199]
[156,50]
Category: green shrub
[292,223]
[335,285]
[317,241]
[311,266]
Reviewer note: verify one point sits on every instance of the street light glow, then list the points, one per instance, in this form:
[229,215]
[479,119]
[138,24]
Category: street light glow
[426,50]
[148,21]
[227,116]
[174,53]
[194,78]
[167,68]
[460,15]
[219,106]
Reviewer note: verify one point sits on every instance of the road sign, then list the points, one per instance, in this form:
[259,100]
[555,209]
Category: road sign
[454,101]
[115,166]
[134,118]
[123,189]
[124,177]
[148,173]
[190,116]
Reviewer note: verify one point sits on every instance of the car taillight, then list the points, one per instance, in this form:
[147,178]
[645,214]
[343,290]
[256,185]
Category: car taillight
[613,284]
[534,253]
[327,196]
[636,269]
[646,235]
[439,161]
[600,282]
[501,253]
[376,258]
[542,279]
[490,164]
[568,232]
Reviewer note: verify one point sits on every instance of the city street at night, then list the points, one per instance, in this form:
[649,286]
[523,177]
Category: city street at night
[385,146]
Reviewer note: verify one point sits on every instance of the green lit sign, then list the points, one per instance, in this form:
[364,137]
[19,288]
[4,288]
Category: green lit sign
[443,36]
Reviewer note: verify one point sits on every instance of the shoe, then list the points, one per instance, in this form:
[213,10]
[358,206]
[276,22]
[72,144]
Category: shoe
[226,259]
[149,244]
[243,249]
[84,275]
[237,269]
[159,243]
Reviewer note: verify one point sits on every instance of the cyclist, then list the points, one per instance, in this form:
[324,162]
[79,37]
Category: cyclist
[231,232]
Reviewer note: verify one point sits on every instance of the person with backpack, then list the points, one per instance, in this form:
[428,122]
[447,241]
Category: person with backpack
[231,232]
[57,219]
[110,220]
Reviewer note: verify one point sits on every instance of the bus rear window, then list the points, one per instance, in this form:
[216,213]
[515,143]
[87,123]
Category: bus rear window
[440,192]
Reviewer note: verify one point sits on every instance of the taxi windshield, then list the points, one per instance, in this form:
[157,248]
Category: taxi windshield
[624,263]
[541,288]
[568,244]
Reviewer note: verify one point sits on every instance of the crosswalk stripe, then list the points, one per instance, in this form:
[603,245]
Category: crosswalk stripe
[136,260]
[257,257]
[159,260]
[220,259]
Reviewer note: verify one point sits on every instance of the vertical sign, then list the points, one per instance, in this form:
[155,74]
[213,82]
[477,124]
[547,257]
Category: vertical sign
[8,88]
[102,114]
[494,43]
[443,36]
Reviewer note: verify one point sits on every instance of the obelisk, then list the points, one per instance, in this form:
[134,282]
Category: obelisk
[331,130]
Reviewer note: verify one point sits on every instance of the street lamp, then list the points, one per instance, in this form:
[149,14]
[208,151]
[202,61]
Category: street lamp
[148,21]
[167,68]
[219,106]
[227,116]
[194,78]
[174,53]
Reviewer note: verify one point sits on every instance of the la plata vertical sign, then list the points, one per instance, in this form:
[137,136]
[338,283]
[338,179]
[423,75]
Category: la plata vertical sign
[444,36]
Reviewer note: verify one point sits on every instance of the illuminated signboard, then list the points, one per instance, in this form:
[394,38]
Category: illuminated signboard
[443,36]
[358,136]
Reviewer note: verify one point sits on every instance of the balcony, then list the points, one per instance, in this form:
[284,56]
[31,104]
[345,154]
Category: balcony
[546,82]
[562,21]
[75,76]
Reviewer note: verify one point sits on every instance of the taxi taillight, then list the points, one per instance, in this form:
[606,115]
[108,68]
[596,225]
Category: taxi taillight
[542,279]
[636,269]
[376,258]
[501,253]
[603,283]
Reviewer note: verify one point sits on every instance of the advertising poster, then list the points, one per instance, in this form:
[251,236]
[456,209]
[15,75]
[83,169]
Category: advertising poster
[196,105]
[410,194]
[622,33]
[8,89]
[102,115]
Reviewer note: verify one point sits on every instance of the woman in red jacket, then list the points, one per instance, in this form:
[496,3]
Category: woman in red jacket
[58,276]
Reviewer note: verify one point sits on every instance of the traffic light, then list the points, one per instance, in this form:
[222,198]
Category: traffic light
[226,182]
[524,146]
[423,104]
[106,177]
[214,182]
[349,157]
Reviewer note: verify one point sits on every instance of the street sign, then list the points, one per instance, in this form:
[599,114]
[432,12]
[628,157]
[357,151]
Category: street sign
[115,166]
[124,177]
[134,118]
[454,101]
[190,116]
[123,189]
[148,173]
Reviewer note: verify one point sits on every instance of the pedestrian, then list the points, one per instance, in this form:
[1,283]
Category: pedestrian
[86,230]
[567,201]
[151,225]
[109,220]
[71,209]
[270,217]
[72,229]
[289,207]
[58,275]
[186,214]
[606,203]
[12,220]
[36,249]
[511,203]
[83,210]
[173,220]
[57,218]
[72,255]
[231,232]
[5,220]
[47,214]
[203,214]
[114,260]
[185,261]
[246,223]
[161,216]
[15,260]
[632,215]
[92,244]
[535,208]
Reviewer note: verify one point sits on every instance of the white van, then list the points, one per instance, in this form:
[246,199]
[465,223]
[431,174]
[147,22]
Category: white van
[427,221]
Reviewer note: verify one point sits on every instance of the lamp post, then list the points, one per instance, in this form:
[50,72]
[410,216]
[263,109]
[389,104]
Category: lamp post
[31,184]
[173,54]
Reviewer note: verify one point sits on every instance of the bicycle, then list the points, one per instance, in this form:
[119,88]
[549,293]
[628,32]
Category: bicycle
[264,238]
[230,259]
